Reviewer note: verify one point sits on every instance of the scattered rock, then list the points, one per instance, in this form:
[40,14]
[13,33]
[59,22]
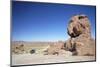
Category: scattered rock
[55,48]
[19,49]
[32,51]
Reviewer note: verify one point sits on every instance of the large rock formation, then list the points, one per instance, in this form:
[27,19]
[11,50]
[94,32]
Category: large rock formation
[80,42]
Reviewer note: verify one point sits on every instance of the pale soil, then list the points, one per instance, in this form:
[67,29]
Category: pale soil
[38,58]
[24,59]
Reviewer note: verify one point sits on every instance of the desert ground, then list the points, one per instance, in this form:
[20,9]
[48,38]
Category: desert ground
[25,57]
[41,59]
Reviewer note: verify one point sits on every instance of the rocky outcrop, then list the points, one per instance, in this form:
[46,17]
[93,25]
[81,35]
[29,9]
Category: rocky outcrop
[80,42]
[79,25]
[19,49]
[58,48]
[54,48]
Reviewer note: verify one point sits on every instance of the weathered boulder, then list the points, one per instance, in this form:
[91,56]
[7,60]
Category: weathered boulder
[79,24]
[65,53]
[32,51]
[80,42]
[19,49]
[55,49]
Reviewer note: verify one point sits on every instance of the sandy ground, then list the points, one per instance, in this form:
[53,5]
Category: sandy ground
[24,59]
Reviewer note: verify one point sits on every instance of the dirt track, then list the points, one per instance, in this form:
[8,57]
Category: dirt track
[24,59]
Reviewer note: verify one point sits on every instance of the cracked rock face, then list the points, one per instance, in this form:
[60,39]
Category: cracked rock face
[80,42]
[78,25]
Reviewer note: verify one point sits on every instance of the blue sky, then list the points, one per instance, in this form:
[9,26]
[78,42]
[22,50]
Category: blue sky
[45,22]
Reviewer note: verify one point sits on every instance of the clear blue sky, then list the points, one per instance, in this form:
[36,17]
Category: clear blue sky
[45,22]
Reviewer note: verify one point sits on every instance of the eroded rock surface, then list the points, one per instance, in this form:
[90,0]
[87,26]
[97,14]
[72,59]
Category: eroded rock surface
[55,49]
[80,42]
